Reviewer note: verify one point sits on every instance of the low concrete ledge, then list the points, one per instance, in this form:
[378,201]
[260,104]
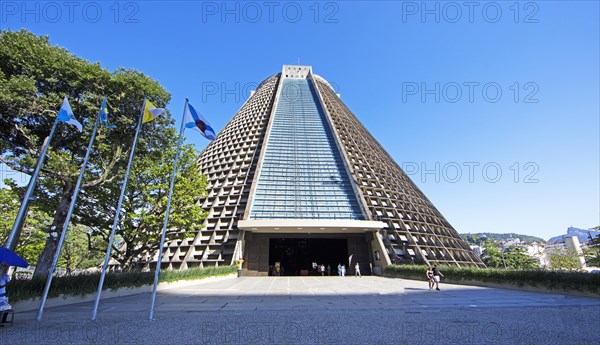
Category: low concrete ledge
[34,303]
[502,286]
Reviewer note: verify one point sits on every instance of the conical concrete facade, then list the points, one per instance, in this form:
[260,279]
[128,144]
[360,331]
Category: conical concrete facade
[296,182]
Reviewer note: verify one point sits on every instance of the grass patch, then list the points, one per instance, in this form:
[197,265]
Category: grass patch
[88,283]
[554,280]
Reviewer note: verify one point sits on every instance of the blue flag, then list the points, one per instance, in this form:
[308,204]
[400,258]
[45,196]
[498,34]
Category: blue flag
[104,115]
[194,120]
[65,114]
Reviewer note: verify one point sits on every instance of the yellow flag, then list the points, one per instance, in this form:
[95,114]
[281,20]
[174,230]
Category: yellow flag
[151,112]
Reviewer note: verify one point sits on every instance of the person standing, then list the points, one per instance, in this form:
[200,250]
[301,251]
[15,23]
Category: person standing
[340,270]
[357,270]
[4,280]
[429,275]
[436,277]
[343,270]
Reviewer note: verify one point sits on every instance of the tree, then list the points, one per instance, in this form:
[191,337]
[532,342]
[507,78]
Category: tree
[76,253]
[563,259]
[518,259]
[477,238]
[32,239]
[34,78]
[511,257]
[492,256]
[592,252]
[144,206]
[473,239]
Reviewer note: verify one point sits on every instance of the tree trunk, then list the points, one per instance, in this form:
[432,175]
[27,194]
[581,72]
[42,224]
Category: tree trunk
[47,256]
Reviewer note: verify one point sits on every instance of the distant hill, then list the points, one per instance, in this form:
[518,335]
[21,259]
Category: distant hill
[478,238]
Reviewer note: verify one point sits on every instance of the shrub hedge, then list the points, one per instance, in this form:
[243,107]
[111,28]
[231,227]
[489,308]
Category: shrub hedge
[554,280]
[88,283]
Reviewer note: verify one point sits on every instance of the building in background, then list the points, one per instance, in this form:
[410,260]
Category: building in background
[572,243]
[296,181]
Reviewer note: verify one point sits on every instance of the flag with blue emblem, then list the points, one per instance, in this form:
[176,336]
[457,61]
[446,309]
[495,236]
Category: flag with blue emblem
[65,114]
[195,120]
[104,115]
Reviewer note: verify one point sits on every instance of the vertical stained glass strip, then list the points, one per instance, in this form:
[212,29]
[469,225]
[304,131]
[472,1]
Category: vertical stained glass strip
[302,174]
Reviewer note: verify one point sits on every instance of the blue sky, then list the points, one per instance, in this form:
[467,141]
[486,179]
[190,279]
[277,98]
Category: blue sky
[492,107]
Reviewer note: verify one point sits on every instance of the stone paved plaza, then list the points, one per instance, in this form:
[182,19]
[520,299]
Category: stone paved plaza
[320,310]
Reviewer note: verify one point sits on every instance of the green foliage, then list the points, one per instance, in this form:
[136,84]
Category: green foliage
[554,280]
[481,237]
[592,252]
[511,257]
[492,256]
[518,259]
[88,283]
[145,202]
[564,259]
[195,273]
[34,78]
[32,239]
[75,253]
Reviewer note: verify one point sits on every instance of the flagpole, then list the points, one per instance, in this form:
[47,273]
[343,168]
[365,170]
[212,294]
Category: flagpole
[16,229]
[166,222]
[116,221]
[67,220]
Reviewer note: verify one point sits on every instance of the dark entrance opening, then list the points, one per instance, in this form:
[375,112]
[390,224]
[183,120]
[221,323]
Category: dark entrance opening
[297,255]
